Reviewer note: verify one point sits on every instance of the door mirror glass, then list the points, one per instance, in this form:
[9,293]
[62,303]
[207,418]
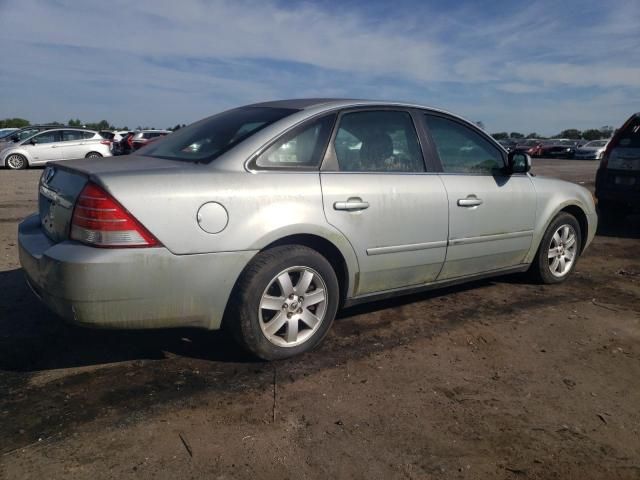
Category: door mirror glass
[519,162]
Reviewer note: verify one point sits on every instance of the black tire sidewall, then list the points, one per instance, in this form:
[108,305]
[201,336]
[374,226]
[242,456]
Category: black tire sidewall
[542,259]
[255,280]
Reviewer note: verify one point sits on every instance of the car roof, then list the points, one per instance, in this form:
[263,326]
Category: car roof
[310,103]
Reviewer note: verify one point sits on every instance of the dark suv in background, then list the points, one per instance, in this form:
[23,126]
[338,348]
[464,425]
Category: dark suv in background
[618,177]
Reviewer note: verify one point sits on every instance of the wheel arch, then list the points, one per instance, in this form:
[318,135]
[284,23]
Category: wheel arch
[328,250]
[568,207]
[580,215]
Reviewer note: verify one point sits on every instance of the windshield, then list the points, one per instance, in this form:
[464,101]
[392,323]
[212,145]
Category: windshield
[207,139]
[596,143]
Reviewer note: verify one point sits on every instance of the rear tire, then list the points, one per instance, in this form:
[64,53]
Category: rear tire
[558,251]
[15,161]
[284,303]
[93,155]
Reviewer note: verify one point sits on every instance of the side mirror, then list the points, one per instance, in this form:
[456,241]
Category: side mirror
[519,162]
[33,141]
[15,138]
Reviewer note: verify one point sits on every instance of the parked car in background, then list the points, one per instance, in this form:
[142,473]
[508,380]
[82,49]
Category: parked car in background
[124,145]
[592,150]
[554,149]
[274,215]
[142,137]
[54,145]
[508,143]
[23,133]
[5,132]
[618,176]
[115,137]
[526,145]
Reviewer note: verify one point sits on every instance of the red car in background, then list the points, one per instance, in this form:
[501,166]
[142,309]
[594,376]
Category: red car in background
[143,137]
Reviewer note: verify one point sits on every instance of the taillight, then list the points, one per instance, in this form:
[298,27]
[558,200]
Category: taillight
[99,220]
[105,142]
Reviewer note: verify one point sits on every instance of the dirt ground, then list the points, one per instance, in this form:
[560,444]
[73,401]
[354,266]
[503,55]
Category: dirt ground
[496,379]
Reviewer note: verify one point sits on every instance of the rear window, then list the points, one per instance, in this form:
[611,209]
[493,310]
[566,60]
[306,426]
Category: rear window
[207,139]
[630,137]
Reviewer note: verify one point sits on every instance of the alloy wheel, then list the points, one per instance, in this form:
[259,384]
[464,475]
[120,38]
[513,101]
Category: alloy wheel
[562,250]
[15,162]
[293,306]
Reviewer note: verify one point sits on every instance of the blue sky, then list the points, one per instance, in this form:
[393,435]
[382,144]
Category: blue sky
[517,66]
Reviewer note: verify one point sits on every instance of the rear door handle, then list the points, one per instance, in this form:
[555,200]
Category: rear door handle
[351,205]
[470,201]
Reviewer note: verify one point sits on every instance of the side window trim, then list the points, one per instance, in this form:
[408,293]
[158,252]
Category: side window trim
[429,151]
[252,164]
[471,126]
[330,160]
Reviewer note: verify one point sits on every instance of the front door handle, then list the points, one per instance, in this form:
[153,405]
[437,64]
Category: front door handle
[470,201]
[351,205]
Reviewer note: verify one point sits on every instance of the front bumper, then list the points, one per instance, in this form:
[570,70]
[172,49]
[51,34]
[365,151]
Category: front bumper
[128,288]
[587,156]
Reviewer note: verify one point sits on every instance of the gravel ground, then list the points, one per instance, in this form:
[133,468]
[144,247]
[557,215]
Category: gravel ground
[495,379]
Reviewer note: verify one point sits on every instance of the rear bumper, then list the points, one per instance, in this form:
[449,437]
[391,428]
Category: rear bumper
[128,288]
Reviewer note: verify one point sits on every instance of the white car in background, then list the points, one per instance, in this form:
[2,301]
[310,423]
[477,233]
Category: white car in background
[55,145]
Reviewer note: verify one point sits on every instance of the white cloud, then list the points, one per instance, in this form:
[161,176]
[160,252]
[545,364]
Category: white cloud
[166,61]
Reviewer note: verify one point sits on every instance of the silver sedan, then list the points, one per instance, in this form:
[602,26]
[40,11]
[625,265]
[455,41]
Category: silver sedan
[266,219]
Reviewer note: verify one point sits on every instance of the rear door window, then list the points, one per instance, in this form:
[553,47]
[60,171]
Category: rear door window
[70,135]
[378,141]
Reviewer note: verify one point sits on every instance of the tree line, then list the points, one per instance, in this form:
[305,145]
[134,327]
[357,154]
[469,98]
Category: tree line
[75,122]
[570,133]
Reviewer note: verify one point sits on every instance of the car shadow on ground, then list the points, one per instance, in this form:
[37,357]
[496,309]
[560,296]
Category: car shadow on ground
[34,339]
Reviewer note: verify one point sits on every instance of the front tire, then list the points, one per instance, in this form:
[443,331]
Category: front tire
[284,303]
[16,161]
[558,251]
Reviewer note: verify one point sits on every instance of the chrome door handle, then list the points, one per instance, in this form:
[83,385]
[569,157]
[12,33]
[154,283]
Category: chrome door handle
[351,205]
[470,201]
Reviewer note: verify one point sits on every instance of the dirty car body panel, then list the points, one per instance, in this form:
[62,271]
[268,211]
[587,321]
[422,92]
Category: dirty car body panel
[406,229]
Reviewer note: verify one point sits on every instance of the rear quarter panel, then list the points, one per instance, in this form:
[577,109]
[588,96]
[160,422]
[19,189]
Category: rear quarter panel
[261,207]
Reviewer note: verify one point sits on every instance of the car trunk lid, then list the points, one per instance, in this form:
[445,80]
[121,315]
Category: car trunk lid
[58,190]
[61,183]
